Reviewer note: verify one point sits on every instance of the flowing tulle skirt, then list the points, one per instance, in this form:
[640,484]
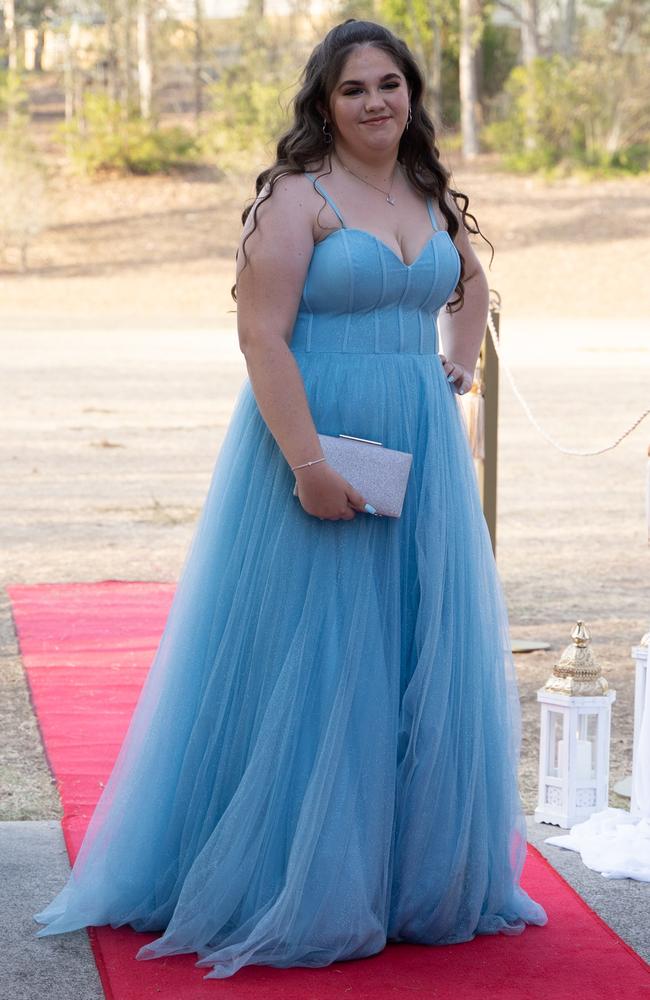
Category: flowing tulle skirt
[324,754]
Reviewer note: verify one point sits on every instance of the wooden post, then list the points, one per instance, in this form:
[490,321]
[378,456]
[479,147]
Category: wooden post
[489,364]
[486,468]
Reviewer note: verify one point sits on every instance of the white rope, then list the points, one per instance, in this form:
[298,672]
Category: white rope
[535,422]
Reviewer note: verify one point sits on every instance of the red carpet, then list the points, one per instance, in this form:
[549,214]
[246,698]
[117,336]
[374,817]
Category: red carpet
[86,649]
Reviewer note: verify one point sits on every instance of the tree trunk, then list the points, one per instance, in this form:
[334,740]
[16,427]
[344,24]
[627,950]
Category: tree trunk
[529,31]
[112,57]
[39,48]
[70,71]
[436,73]
[469,115]
[127,82]
[568,28]
[198,62]
[9,12]
[614,133]
[416,45]
[145,61]
[529,52]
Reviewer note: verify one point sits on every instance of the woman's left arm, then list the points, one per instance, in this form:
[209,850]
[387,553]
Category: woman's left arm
[462,331]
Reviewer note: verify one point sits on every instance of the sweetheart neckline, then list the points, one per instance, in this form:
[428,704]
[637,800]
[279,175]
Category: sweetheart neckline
[365,232]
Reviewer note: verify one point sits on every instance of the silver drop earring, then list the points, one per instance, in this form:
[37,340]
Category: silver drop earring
[409,119]
[327,135]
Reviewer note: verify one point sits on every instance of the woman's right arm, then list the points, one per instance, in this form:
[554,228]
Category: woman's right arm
[269,288]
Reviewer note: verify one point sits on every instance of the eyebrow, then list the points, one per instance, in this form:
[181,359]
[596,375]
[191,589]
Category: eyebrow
[386,76]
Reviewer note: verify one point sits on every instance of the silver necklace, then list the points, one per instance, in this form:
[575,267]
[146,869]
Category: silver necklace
[388,195]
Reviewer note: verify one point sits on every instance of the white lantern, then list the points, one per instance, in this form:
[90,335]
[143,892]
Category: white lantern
[640,656]
[574,739]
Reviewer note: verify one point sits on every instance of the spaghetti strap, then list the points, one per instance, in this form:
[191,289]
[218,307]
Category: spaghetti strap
[327,198]
[431,215]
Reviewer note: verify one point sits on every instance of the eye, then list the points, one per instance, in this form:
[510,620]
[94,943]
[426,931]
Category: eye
[354,90]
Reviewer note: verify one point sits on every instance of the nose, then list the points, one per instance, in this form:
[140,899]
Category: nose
[375,101]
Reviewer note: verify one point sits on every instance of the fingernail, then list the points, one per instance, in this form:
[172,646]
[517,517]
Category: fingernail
[450,378]
[370,508]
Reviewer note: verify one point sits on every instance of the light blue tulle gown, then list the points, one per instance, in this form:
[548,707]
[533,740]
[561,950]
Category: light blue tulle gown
[324,754]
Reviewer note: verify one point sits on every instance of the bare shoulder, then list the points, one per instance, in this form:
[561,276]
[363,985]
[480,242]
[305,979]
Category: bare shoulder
[278,233]
[289,206]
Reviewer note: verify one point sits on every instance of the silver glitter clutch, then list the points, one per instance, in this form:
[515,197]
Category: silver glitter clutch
[379,473]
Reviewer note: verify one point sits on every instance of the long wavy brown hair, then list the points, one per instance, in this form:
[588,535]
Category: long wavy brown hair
[304,141]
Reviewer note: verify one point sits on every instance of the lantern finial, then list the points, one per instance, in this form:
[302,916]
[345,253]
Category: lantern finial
[576,672]
[581,634]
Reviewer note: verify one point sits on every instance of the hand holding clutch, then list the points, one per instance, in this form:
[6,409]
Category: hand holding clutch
[379,473]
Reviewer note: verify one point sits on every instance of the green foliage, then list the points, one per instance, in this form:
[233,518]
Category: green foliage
[13,98]
[412,20]
[422,24]
[557,114]
[246,111]
[633,160]
[249,102]
[537,125]
[500,53]
[449,113]
[104,138]
[33,13]
[363,10]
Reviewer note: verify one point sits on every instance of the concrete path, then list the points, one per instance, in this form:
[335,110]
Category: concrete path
[33,867]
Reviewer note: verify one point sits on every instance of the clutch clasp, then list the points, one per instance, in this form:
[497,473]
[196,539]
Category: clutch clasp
[351,437]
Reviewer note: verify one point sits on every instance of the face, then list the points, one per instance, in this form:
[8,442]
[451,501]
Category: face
[370,101]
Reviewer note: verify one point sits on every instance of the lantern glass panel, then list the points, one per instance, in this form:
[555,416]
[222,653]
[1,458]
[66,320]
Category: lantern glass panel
[587,736]
[555,744]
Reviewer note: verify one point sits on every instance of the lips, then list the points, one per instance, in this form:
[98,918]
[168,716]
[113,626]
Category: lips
[376,121]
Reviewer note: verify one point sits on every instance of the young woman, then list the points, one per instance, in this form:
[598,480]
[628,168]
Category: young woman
[324,754]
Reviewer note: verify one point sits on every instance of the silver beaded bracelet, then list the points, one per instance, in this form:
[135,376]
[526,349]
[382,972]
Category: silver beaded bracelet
[304,464]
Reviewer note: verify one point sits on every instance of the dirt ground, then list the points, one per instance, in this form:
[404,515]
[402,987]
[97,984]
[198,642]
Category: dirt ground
[121,367]
[161,250]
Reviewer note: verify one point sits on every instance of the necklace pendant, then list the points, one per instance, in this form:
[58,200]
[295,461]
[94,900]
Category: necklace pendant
[390,199]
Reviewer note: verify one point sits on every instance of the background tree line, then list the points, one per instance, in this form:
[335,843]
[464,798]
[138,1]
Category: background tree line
[147,84]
